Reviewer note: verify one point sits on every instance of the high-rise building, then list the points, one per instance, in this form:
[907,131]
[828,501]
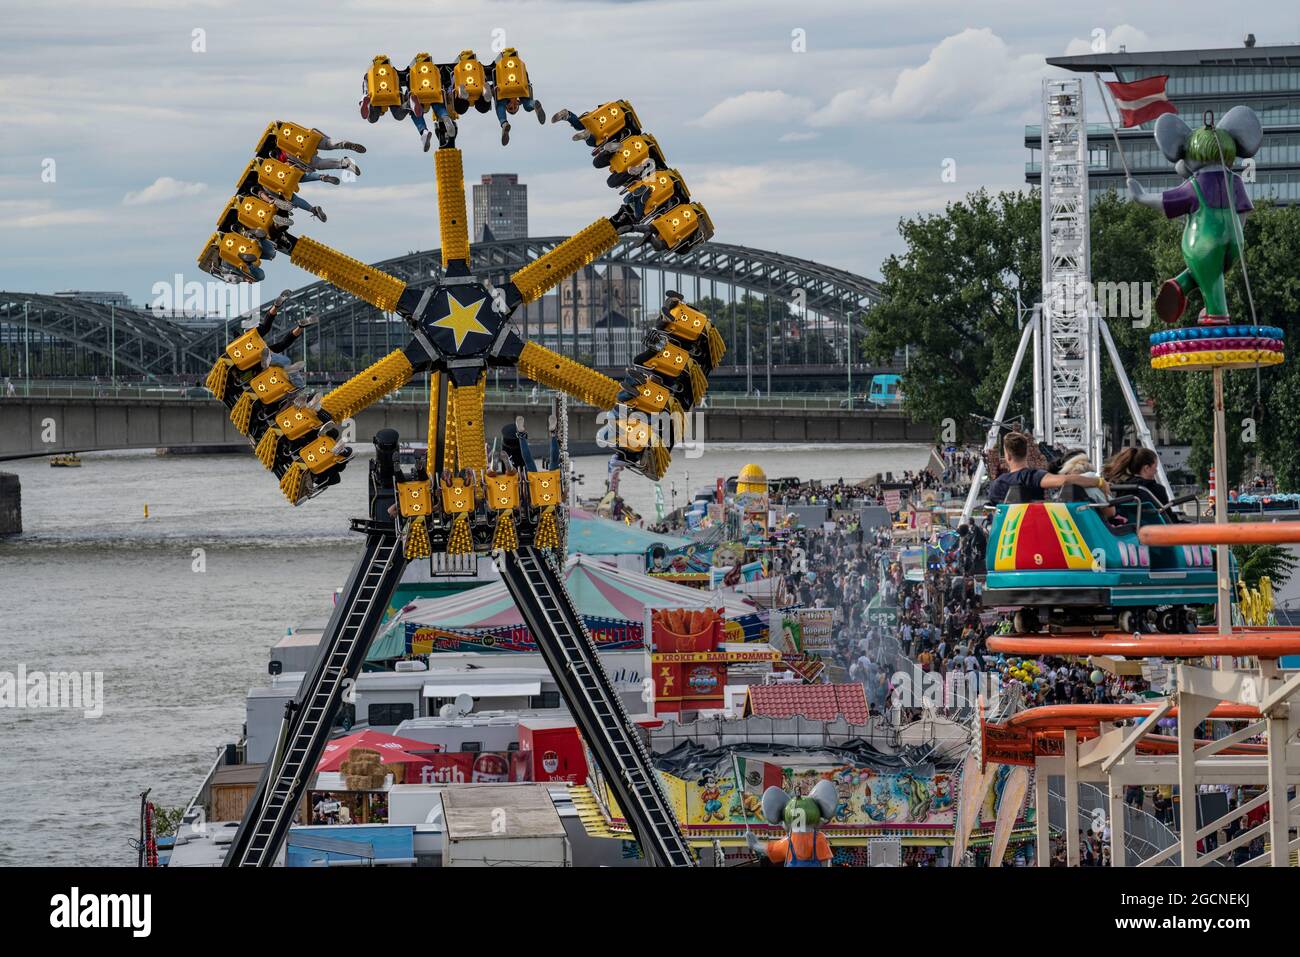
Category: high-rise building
[1267,79]
[500,208]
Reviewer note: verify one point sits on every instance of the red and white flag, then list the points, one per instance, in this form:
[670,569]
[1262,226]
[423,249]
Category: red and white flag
[1142,100]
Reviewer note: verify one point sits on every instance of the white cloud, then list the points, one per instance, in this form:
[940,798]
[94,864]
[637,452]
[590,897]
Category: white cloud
[799,136]
[969,73]
[755,106]
[161,190]
[1124,35]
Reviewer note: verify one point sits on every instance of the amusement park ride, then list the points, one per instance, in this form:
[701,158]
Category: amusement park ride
[1101,587]
[458,502]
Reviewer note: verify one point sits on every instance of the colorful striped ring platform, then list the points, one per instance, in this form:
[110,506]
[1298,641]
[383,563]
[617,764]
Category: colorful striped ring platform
[1224,347]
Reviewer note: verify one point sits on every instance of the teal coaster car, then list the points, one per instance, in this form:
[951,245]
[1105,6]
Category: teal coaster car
[1062,565]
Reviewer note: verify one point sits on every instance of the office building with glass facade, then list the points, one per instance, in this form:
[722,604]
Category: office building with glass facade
[1267,79]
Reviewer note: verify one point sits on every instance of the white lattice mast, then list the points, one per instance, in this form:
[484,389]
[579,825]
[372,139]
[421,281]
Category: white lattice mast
[1068,412]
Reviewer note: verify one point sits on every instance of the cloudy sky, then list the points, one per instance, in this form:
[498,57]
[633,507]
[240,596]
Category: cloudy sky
[142,113]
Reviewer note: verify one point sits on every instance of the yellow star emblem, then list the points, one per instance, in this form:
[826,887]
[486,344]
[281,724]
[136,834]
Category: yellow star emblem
[462,320]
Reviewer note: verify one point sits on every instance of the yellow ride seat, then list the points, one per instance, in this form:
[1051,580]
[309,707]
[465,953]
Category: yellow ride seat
[469,79]
[299,142]
[232,246]
[271,385]
[424,79]
[457,496]
[383,84]
[633,151]
[544,488]
[608,120]
[511,78]
[651,397]
[670,361]
[414,499]
[319,455]
[246,351]
[660,188]
[296,421]
[279,177]
[253,213]
[686,323]
[502,491]
[683,225]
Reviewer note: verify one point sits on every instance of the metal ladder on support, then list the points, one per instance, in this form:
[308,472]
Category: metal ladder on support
[571,654]
[310,716]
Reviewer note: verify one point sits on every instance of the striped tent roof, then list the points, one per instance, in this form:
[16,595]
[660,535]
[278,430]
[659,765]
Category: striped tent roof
[599,591]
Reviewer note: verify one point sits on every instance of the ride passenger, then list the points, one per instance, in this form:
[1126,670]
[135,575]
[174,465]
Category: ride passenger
[1080,464]
[1136,465]
[1015,450]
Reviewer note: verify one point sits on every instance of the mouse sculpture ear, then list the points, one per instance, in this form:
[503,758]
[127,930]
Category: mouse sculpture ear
[1242,124]
[774,802]
[1172,135]
[826,797]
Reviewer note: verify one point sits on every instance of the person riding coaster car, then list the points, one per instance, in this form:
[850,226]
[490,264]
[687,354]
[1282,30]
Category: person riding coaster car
[1078,562]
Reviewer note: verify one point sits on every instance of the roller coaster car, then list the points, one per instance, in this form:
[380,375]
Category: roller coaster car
[246,352]
[610,120]
[644,392]
[469,81]
[425,80]
[637,444]
[414,499]
[681,228]
[383,85]
[1062,565]
[510,76]
[670,360]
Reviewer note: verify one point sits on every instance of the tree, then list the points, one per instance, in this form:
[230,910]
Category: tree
[952,297]
[1273,562]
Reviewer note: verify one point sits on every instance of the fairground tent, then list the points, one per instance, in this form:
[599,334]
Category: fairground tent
[589,534]
[612,602]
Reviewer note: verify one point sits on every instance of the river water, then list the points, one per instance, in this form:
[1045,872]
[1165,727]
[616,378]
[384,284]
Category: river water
[178,610]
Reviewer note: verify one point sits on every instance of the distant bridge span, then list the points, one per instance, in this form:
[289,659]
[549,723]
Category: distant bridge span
[45,426]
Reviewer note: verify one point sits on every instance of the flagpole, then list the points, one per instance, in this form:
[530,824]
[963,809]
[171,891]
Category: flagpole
[1114,132]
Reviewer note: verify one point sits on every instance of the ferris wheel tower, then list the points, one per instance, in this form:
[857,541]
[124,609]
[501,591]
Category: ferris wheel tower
[1066,330]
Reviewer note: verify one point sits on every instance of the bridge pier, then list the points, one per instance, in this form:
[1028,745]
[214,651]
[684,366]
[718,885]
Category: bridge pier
[11,504]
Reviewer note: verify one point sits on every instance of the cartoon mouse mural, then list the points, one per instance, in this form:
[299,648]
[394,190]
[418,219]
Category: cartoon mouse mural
[1212,198]
[804,844]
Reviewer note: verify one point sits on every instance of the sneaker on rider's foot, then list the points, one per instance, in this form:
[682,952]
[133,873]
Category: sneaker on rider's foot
[539,113]
[327,178]
[560,117]
[349,165]
[364,106]
[283,221]
[349,145]
[414,105]
[318,213]
[505,133]
[427,138]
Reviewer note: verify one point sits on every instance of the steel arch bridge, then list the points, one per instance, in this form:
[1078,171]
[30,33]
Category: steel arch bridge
[351,333]
[86,335]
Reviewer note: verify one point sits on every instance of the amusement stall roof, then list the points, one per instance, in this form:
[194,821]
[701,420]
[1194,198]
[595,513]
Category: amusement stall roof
[599,591]
[592,535]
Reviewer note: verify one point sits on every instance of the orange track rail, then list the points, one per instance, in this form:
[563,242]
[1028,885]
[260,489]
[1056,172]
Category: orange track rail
[1236,533]
[1262,643]
[1058,717]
